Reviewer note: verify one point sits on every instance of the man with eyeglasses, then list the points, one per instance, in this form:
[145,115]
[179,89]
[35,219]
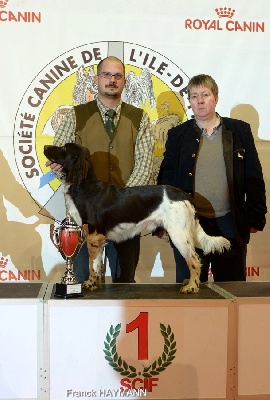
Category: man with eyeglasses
[121,143]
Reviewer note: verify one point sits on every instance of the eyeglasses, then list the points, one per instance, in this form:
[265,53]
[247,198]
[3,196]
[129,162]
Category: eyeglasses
[108,75]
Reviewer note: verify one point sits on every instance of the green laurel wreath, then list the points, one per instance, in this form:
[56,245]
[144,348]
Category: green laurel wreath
[129,371]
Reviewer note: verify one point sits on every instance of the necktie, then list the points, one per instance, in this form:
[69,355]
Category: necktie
[110,127]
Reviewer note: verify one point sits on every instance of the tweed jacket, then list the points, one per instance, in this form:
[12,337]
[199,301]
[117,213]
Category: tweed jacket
[243,169]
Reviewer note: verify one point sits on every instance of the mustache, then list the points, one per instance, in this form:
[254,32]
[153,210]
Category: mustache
[112,85]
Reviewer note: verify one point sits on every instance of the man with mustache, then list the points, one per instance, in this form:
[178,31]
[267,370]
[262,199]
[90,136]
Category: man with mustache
[121,142]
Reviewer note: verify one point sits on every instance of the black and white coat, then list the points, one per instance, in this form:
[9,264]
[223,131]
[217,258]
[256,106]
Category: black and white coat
[115,213]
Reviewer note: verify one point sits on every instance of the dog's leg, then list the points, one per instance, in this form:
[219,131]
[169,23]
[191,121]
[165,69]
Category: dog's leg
[184,243]
[95,244]
[194,266]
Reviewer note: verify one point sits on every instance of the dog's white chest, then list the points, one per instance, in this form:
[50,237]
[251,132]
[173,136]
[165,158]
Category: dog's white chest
[70,207]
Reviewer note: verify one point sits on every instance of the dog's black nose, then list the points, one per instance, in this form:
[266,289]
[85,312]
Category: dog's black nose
[46,148]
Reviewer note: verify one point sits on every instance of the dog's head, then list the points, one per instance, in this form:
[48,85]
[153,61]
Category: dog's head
[75,160]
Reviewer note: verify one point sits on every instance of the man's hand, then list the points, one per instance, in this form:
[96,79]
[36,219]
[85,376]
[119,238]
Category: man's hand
[54,166]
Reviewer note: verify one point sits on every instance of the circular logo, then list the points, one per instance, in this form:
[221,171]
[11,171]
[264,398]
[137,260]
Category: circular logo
[153,83]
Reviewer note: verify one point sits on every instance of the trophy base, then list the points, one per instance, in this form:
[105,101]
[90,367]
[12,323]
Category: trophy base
[68,291]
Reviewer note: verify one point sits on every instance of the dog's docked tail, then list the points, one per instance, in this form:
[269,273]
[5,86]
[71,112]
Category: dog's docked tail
[210,244]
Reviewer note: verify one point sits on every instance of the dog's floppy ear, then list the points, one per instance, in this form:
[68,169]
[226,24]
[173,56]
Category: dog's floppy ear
[79,169]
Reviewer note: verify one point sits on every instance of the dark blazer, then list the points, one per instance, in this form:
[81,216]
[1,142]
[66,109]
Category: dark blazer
[243,168]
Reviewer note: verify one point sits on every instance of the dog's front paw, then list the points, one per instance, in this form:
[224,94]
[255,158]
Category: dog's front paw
[190,287]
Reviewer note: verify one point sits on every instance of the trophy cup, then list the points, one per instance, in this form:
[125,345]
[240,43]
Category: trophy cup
[68,238]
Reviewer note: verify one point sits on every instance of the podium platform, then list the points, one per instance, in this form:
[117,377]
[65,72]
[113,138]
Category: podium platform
[252,301]
[141,340]
[136,291]
[135,341]
[21,338]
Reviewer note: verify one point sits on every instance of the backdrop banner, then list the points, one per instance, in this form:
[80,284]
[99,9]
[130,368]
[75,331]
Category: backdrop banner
[50,50]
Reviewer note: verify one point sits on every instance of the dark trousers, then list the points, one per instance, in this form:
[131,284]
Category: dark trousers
[128,253]
[228,266]
[182,270]
[123,259]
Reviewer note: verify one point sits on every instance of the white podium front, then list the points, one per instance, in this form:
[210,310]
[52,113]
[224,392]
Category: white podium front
[252,301]
[21,338]
[140,341]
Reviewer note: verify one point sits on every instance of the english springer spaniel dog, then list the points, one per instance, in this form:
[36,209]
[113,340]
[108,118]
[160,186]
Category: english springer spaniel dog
[115,213]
